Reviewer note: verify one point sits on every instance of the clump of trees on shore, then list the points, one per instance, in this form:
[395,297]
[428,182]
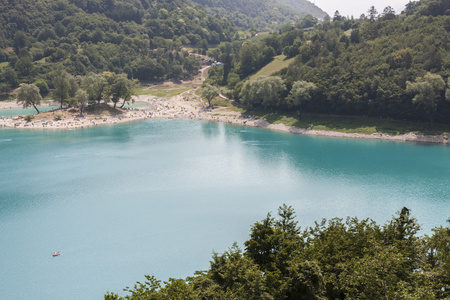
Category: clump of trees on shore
[79,91]
[334,259]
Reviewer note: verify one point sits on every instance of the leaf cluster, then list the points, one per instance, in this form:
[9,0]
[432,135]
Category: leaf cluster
[334,259]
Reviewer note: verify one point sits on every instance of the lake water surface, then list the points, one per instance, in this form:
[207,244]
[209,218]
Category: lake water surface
[158,196]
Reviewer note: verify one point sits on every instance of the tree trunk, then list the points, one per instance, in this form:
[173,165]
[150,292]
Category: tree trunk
[123,104]
[36,108]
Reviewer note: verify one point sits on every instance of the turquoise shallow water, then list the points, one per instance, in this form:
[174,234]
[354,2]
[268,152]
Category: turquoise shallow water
[158,196]
[24,111]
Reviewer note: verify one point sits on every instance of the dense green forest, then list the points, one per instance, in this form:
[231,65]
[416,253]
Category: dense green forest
[375,66]
[262,14]
[334,259]
[143,39]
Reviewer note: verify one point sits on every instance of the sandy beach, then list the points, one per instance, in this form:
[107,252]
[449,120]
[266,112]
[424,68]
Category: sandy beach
[186,106]
[71,118]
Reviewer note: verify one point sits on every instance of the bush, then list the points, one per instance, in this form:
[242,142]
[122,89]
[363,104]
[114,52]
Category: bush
[43,87]
[28,118]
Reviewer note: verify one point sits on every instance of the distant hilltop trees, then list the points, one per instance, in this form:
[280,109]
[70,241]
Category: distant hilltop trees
[143,39]
[262,14]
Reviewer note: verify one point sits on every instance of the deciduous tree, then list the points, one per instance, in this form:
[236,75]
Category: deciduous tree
[119,87]
[265,91]
[301,93]
[81,100]
[62,86]
[29,96]
[209,92]
[94,85]
[427,91]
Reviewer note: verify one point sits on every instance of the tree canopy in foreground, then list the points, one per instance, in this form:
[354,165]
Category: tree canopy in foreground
[334,259]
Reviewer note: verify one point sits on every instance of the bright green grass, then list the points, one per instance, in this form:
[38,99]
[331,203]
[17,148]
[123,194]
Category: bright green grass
[160,92]
[259,36]
[42,61]
[279,62]
[219,101]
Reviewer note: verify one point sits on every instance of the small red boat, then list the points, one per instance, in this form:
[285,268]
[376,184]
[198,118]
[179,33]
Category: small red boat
[56,253]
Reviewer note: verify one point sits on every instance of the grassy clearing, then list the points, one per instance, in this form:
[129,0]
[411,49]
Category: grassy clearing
[279,62]
[42,61]
[259,36]
[352,125]
[160,92]
[242,34]
[219,101]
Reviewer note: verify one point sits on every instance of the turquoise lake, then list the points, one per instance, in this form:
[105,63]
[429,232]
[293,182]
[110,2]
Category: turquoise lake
[157,197]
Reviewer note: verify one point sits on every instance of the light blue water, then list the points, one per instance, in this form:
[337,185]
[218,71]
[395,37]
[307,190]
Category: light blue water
[24,111]
[31,111]
[157,197]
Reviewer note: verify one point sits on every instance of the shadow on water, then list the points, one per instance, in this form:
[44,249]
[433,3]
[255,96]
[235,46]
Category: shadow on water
[210,129]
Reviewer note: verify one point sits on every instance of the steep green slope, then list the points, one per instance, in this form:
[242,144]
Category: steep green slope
[304,6]
[261,14]
[365,70]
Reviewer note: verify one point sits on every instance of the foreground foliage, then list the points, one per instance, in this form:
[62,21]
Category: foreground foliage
[334,259]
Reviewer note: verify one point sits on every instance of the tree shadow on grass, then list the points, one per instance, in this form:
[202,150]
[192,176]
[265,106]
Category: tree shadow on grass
[104,109]
[349,124]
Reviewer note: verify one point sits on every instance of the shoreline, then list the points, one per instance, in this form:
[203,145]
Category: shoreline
[189,106]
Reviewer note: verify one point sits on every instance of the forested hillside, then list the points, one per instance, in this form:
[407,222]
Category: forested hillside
[363,66]
[334,259]
[382,65]
[304,6]
[262,14]
[142,38]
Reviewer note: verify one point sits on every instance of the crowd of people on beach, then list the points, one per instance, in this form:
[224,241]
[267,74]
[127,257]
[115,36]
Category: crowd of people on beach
[186,106]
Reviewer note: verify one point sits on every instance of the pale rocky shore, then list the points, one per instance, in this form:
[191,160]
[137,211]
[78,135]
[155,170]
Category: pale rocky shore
[187,106]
